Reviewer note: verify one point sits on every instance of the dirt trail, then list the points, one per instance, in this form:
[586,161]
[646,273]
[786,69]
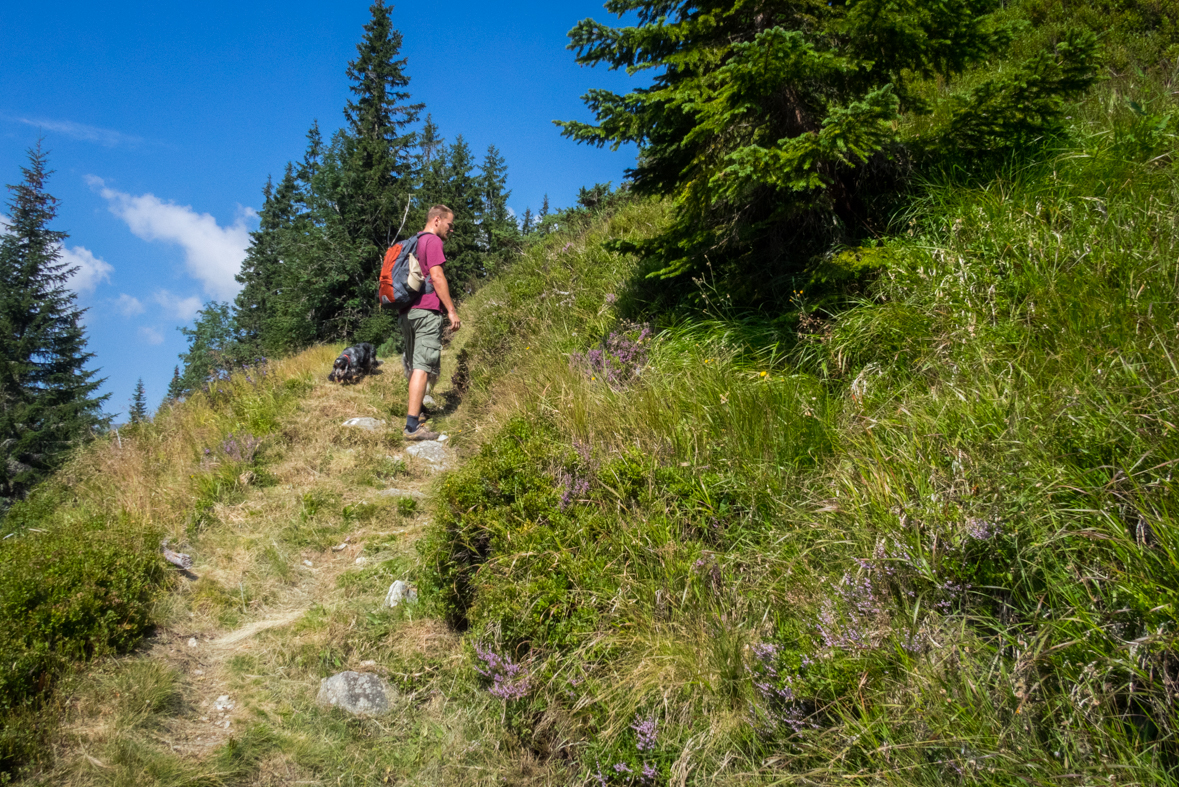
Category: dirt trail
[324,468]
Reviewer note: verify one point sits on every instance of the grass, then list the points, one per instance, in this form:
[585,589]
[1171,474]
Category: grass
[920,533]
[932,542]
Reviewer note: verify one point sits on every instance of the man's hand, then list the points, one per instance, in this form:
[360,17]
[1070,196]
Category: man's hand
[455,322]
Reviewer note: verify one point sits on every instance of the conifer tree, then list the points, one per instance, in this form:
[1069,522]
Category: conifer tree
[47,396]
[255,306]
[462,195]
[378,163]
[497,229]
[762,116]
[526,222]
[138,410]
[430,173]
[176,386]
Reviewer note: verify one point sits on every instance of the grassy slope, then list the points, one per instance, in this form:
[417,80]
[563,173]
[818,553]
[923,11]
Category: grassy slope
[936,542]
[932,542]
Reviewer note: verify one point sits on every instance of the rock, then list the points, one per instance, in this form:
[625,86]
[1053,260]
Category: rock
[360,561]
[428,401]
[307,563]
[223,703]
[192,642]
[359,693]
[432,452]
[393,492]
[443,438]
[400,591]
[371,424]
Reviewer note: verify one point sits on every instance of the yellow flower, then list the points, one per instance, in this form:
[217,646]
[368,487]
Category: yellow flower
[763,374]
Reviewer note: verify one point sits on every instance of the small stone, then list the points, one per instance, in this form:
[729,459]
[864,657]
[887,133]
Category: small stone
[368,663]
[192,642]
[443,438]
[204,718]
[369,424]
[360,561]
[307,563]
[340,547]
[359,693]
[198,672]
[400,591]
[428,401]
[223,703]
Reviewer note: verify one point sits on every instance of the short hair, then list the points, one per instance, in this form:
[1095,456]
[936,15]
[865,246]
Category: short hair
[438,210]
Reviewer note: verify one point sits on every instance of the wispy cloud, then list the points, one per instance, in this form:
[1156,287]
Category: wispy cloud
[181,308]
[129,305]
[103,136]
[213,254]
[90,269]
[151,335]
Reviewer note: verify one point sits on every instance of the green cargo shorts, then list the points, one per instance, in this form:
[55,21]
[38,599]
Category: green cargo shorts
[422,331]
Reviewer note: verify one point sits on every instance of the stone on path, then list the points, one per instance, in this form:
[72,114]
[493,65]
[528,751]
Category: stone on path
[223,703]
[371,424]
[432,452]
[400,591]
[359,693]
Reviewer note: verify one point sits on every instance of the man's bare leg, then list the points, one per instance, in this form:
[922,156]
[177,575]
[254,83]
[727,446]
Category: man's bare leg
[417,392]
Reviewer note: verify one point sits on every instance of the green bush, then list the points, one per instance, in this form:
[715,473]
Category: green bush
[70,591]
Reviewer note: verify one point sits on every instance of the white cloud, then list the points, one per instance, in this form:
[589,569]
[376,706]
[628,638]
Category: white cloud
[129,305]
[213,254]
[103,136]
[90,269]
[181,308]
[151,335]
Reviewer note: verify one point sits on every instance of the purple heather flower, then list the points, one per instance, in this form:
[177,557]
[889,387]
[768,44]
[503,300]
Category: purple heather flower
[647,731]
[509,680]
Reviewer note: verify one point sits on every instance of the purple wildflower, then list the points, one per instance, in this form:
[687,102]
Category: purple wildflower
[509,680]
[647,731]
[622,767]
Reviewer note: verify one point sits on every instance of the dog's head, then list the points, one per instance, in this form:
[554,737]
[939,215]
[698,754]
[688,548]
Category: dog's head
[341,370]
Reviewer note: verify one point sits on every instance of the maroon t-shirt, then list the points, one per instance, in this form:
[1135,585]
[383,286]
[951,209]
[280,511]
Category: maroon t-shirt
[429,254]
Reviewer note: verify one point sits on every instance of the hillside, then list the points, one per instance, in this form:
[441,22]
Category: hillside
[918,530]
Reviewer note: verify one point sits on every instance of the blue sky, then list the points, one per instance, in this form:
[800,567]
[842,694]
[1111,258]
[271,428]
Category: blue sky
[163,122]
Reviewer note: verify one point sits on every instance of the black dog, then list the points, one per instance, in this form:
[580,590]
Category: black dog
[357,360]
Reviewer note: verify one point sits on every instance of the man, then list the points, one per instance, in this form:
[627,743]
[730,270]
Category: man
[421,324]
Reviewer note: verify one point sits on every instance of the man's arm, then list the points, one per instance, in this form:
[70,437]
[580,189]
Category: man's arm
[442,290]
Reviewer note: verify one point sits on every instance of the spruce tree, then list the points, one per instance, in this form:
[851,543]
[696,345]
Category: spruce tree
[176,386]
[138,410]
[465,257]
[498,231]
[378,165]
[526,222]
[771,123]
[212,352]
[255,306]
[47,396]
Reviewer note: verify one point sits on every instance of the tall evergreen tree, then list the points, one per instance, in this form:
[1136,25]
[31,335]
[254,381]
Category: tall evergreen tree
[770,122]
[527,222]
[430,173]
[464,253]
[378,166]
[47,396]
[138,410]
[176,386]
[497,229]
[255,306]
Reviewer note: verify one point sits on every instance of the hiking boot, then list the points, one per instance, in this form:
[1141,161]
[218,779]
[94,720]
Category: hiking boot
[420,434]
[424,416]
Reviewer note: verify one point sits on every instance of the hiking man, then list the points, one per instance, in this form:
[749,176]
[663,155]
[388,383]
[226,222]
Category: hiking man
[421,324]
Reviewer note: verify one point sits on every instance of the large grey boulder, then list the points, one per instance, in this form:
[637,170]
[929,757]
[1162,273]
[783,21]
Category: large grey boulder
[370,424]
[359,693]
[433,452]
